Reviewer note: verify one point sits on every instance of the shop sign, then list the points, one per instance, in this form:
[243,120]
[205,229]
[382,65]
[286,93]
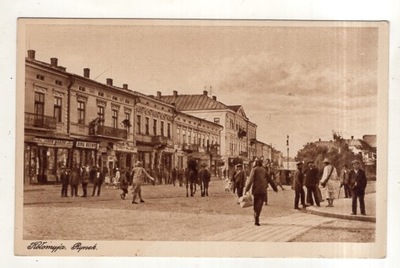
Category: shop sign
[102,150]
[86,145]
[54,143]
[125,147]
[169,150]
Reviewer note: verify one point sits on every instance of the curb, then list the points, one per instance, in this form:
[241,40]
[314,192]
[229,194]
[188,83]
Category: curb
[340,216]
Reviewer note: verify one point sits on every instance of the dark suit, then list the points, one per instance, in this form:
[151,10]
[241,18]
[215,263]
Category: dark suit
[84,178]
[298,183]
[358,183]
[98,181]
[259,179]
[311,183]
[64,181]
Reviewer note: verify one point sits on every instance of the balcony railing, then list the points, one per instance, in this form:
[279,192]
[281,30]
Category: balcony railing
[190,147]
[99,130]
[159,140]
[40,121]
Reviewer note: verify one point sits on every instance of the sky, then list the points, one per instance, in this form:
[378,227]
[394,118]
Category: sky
[291,80]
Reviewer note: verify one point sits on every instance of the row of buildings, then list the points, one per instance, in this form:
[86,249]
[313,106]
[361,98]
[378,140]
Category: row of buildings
[72,120]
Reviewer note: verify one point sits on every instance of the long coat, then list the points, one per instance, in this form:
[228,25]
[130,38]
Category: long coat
[312,178]
[298,181]
[74,177]
[259,180]
[83,175]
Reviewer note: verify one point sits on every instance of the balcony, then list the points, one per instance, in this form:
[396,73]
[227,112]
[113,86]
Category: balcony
[190,148]
[110,132]
[40,121]
[159,140]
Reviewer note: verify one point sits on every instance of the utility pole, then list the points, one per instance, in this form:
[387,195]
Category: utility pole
[287,145]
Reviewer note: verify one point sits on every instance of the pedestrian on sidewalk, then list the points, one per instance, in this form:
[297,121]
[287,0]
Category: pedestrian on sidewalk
[139,173]
[345,181]
[267,166]
[64,178]
[84,178]
[258,181]
[312,183]
[74,182]
[358,183]
[329,181]
[240,180]
[297,186]
[174,175]
[116,178]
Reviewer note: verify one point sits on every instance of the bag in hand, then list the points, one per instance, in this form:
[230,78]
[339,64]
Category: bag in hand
[246,201]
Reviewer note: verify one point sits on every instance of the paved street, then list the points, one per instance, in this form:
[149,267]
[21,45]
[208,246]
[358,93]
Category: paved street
[169,215]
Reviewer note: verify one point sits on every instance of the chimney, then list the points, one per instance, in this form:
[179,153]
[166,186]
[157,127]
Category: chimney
[109,81]
[31,54]
[86,72]
[175,93]
[159,94]
[205,92]
[214,98]
[125,86]
[173,104]
[53,62]
[352,137]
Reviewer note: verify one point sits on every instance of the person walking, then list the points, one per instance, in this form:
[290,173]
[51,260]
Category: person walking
[258,181]
[267,166]
[98,181]
[240,180]
[329,181]
[74,182]
[312,183]
[139,173]
[117,178]
[204,178]
[358,183]
[174,175]
[84,178]
[64,178]
[124,182]
[298,183]
[345,181]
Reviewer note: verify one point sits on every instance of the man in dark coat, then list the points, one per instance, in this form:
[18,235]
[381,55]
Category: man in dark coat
[311,183]
[345,181]
[358,183]
[98,181]
[64,178]
[259,180]
[298,183]
[240,180]
[84,178]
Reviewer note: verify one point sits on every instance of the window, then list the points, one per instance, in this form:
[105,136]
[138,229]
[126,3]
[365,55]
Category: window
[115,118]
[199,137]
[39,103]
[155,127]
[115,98]
[101,94]
[194,137]
[189,136]
[58,82]
[216,120]
[82,88]
[178,135]
[169,130]
[162,128]
[183,136]
[100,114]
[147,126]
[57,108]
[81,112]
[138,124]
[40,77]
[128,118]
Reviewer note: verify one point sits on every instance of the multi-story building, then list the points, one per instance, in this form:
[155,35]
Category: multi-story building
[236,137]
[72,120]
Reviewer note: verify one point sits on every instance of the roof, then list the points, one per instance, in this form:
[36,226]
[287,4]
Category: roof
[235,108]
[193,102]
[358,143]
[370,139]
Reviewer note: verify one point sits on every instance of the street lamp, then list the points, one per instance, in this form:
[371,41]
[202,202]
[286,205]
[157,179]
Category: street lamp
[287,144]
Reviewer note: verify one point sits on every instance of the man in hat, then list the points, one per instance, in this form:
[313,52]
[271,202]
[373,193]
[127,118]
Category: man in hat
[345,182]
[297,186]
[240,180]
[64,178]
[358,183]
[312,183]
[329,181]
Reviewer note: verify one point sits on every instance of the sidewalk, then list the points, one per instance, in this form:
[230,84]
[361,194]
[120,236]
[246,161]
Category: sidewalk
[342,209]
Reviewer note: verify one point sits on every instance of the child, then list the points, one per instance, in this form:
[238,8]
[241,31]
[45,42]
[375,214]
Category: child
[228,185]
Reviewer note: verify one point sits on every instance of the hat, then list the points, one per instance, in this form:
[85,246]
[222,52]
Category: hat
[355,161]
[326,160]
[138,164]
[239,165]
[299,163]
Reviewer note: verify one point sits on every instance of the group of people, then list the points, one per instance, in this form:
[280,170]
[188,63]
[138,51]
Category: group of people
[353,181]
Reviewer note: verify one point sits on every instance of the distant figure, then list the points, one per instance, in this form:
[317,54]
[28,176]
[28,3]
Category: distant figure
[139,173]
[240,180]
[312,183]
[74,182]
[124,183]
[174,175]
[329,181]
[298,183]
[345,181]
[228,185]
[84,178]
[98,181]
[64,178]
[358,183]
[116,178]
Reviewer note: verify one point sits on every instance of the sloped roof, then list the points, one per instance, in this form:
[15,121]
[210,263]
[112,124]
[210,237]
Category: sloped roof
[234,108]
[370,139]
[193,102]
[359,144]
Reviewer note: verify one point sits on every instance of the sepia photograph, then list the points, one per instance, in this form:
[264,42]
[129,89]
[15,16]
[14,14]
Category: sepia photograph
[201,138]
